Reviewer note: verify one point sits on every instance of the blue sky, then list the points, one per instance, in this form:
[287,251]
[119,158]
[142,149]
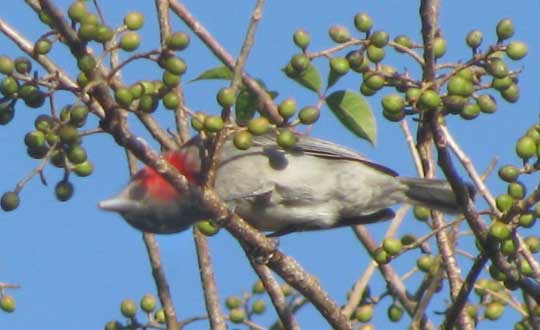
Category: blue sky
[75,263]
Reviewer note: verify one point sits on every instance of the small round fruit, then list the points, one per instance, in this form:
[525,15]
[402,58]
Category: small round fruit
[309,115]
[516,190]
[148,303]
[178,41]
[159,316]
[459,86]
[366,91]
[499,230]
[527,220]
[175,65]
[134,20]
[533,243]
[425,263]
[258,126]
[439,47]
[494,310]
[429,100]
[84,169]
[379,39]
[170,80]
[237,315]
[374,81]
[497,67]
[339,34]
[511,94]
[87,32]
[525,147]
[86,63]
[258,307]
[148,103]
[381,256]
[470,111]
[363,22]
[421,213]
[9,86]
[395,313]
[408,239]
[487,103]
[42,46]
[357,61]
[113,325]
[82,79]
[77,11]
[508,247]
[392,246]
[258,288]
[34,139]
[413,94]
[504,202]
[226,97]
[364,313]
[7,303]
[10,201]
[123,96]
[78,115]
[339,65]
[213,124]
[393,103]
[207,228]
[68,134]
[43,123]
[300,62]
[233,302]
[7,112]
[6,65]
[301,38]
[171,100]
[76,154]
[404,41]
[517,50]
[474,38]
[197,121]
[287,108]
[23,65]
[130,41]
[286,139]
[501,84]
[128,308]
[375,54]
[64,190]
[505,29]
[104,33]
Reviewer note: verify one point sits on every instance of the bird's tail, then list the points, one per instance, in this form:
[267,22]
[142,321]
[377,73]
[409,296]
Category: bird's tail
[431,193]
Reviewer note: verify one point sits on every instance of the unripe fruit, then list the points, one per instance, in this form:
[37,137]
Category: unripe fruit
[300,62]
[511,94]
[286,139]
[287,108]
[527,220]
[501,84]
[393,103]
[392,246]
[505,29]
[379,39]
[6,65]
[408,239]
[301,39]
[128,308]
[499,230]
[233,302]
[494,310]
[213,124]
[10,201]
[309,115]
[37,152]
[159,316]
[395,313]
[52,138]
[429,100]
[9,86]
[42,46]
[171,100]
[504,202]
[242,140]
[487,103]
[364,313]
[413,94]
[7,303]
[178,41]
[44,18]
[470,111]
[508,247]
[170,80]
[123,96]
[86,63]
[87,32]
[374,81]
[516,190]
[104,34]
[497,68]
[339,34]
[455,103]
[23,65]
[148,103]
[237,315]
[226,97]
[78,115]
[148,303]
[363,22]
[113,325]
[404,41]
[197,121]
[525,147]
[7,112]
[366,91]
[34,139]
[421,213]
[76,154]
[517,50]
[258,126]
[381,256]
[533,243]
[175,65]
[35,100]
[258,307]
[134,20]
[439,47]
[474,38]
[84,169]
[425,263]
[43,123]
[77,10]
[459,86]
[207,228]
[375,54]
[82,79]
[357,61]
[130,41]
[68,134]
[339,65]
[64,190]
[258,288]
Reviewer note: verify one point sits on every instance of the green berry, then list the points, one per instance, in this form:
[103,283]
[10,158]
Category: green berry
[487,103]
[439,47]
[10,201]
[123,97]
[497,68]
[134,20]
[309,115]
[392,246]
[23,65]
[286,289]
[7,112]
[339,34]
[393,103]
[516,190]
[525,147]
[68,134]
[7,303]
[6,65]
[286,139]
[197,121]
[226,97]
[505,29]
[366,91]
[258,288]
[425,263]
[511,94]
[43,123]
[175,65]
[375,54]
[86,63]
[474,38]
[103,34]
[379,39]
[470,111]
[459,86]
[381,256]
[408,239]
[84,169]
[421,213]
[37,152]
[9,86]
[44,18]
[494,310]
[130,41]
[508,247]
[527,220]
[455,103]
[404,41]
[82,79]
[395,313]
[517,50]
[499,230]
[87,32]
[159,316]
[42,46]
[213,124]
[413,94]
[374,81]
[258,126]
[357,61]
[339,65]
[178,41]
[237,315]
[364,313]
[171,100]
[34,139]
[501,84]
[363,22]
[64,190]
[301,39]
[287,108]
[77,10]
[128,308]
[170,80]
[148,303]
[429,100]
[113,325]
[258,307]
[76,154]
[533,243]
[233,302]
[207,228]
[148,103]
[78,115]
[300,62]
[504,202]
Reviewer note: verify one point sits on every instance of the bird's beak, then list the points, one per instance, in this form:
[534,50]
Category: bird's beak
[118,204]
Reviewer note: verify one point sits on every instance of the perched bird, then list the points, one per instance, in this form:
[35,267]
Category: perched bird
[315,185]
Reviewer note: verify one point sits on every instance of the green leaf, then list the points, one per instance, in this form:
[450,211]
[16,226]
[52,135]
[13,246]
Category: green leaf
[311,78]
[245,106]
[355,113]
[332,78]
[220,72]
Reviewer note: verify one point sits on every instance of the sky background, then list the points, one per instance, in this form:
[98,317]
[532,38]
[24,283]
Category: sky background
[76,264]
